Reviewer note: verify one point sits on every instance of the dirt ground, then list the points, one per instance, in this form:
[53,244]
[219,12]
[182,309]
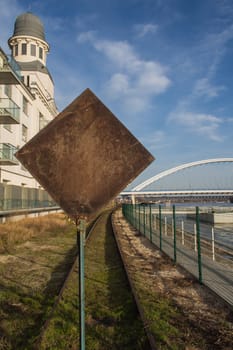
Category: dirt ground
[204,321]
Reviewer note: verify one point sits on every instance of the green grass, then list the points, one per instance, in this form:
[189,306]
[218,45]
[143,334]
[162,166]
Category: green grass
[112,320]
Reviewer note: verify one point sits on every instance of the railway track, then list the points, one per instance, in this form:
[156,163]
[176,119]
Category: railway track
[114,319]
[136,299]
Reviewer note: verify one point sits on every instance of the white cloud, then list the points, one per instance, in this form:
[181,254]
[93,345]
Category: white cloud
[134,80]
[152,78]
[212,49]
[206,125]
[204,88]
[144,29]
[118,83]
[156,140]
[86,36]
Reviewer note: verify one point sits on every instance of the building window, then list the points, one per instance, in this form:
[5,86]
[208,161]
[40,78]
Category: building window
[16,50]
[25,105]
[28,80]
[24,133]
[42,121]
[41,53]
[24,49]
[33,50]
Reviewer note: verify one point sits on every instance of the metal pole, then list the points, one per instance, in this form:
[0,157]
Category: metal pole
[174,231]
[134,216]
[144,220]
[165,226]
[150,225]
[198,244]
[139,217]
[81,236]
[182,232]
[213,248]
[160,228]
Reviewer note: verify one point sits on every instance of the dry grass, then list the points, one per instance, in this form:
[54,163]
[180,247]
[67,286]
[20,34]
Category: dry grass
[38,253]
[13,233]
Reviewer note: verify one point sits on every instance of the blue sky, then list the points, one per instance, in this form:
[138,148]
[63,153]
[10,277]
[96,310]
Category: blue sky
[163,67]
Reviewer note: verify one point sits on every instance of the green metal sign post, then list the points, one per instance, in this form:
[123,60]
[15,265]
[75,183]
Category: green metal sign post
[84,158]
[81,237]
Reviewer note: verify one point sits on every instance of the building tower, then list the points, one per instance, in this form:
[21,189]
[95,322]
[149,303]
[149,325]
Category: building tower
[29,49]
[26,106]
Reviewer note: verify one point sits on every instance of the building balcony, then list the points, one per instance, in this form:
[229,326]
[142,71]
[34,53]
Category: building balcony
[7,152]
[10,72]
[9,111]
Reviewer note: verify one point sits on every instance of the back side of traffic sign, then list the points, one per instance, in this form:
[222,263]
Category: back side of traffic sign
[84,157]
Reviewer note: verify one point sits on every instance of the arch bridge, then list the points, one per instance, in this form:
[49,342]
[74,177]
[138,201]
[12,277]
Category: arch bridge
[140,190]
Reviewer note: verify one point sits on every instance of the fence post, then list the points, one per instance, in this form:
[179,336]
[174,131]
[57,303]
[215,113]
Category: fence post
[165,226]
[81,235]
[134,217]
[174,231]
[198,244]
[131,213]
[144,220]
[139,218]
[213,247]
[160,228]
[150,224]
[182,232]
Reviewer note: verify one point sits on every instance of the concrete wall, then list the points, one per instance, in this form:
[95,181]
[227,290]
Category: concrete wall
[214,218]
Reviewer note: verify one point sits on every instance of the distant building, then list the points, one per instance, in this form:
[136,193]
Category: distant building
[26,106]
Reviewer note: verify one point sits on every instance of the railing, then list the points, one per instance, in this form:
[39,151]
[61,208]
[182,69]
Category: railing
[11,204]
[15,67]
[7,152]
[9,107]
[190,243]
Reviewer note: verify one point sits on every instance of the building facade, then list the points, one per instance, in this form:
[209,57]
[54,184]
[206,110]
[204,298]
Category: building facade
[26,105]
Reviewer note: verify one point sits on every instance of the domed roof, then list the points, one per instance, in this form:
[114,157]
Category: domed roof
[29,24]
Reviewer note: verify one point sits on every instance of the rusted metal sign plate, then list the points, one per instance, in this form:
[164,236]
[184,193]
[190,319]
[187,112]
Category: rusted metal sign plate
[84,157]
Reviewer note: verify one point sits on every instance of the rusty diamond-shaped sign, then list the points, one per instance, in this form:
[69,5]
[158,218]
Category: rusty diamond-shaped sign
[84,157]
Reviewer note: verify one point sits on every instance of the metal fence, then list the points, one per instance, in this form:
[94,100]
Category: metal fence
[11,204]
[198,246]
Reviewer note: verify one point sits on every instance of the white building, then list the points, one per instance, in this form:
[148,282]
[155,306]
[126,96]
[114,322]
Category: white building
[26,105]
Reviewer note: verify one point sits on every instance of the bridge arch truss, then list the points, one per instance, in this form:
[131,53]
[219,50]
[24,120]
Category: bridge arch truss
[165,173]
